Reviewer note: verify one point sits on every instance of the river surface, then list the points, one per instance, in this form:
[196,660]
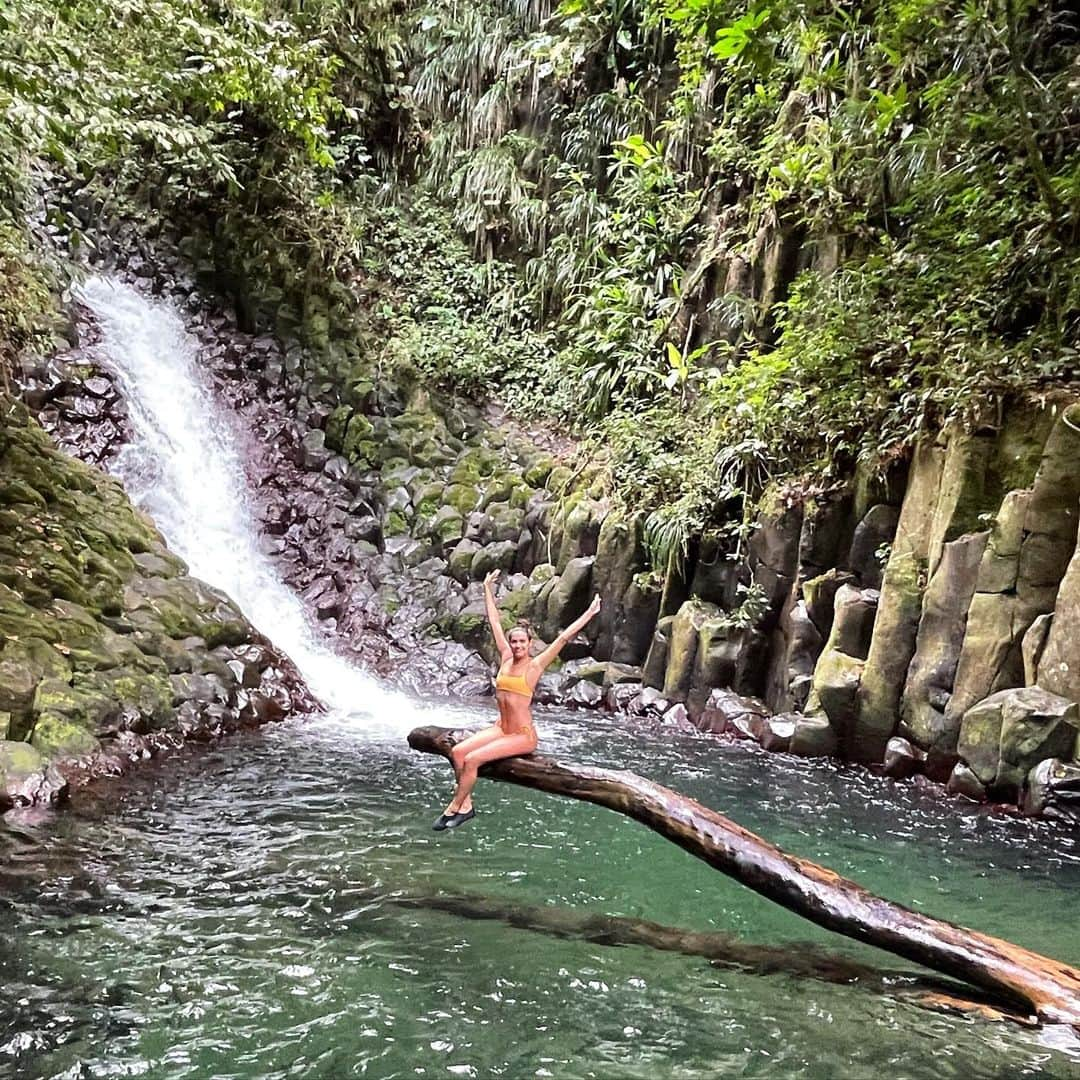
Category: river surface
[277,905]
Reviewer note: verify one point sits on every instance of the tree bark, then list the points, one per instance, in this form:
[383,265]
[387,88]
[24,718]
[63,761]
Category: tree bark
[1046,988]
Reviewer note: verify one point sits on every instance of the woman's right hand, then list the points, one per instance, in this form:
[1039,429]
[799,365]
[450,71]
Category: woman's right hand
[490,579]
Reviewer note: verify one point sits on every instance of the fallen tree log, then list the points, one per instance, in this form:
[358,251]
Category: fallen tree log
[1047,989]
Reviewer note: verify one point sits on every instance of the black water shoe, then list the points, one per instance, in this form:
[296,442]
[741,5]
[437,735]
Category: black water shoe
[459,819]
[442,821]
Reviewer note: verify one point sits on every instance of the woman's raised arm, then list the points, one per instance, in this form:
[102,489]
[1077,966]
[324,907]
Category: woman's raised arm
[493,615]
[568,634]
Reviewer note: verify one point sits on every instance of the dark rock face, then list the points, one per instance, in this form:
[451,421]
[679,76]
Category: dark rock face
[108,648]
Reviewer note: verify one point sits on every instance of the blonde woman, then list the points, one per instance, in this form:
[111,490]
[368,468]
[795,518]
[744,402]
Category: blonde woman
[514,733]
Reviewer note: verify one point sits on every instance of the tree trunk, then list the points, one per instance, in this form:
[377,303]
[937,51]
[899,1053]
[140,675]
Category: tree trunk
[1046,988]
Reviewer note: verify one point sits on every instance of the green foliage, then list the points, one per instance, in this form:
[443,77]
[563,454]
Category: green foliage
[597,212]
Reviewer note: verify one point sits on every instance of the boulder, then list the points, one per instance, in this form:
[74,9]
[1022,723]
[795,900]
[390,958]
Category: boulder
[313,453]
[812,737]
[962,781]
[496,556]
[902,759]
[1004,737]
[726,711]
[585,694]
[834,696]
[459,564]
[27,778]
[683,647]
[853,621]
[569,596]
[1053,790]
[777,732]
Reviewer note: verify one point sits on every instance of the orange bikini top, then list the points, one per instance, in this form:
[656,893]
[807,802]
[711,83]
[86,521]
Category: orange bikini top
[514,684]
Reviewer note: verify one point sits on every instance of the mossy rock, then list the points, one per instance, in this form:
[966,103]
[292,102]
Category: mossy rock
[537,473]
[540,575]
[337,424]
[470,626]
[462,497]
[496,556]
[520,495]
[516,605]
[498,489]
[395,524]
[447,526]
[58,737]
[358,434]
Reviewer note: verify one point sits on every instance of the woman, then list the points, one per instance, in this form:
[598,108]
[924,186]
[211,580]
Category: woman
[514,733]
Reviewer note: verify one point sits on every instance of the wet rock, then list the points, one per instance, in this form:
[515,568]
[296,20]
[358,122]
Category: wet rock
[777,732]
[727,711]
[615,673]
[1008,734]
[313,451]
[902,759]
[812,737]
[962,781]
[1053,790]
[585,694]
[27,778]
[677,717]
[650,702]
[585,670]
[620,696]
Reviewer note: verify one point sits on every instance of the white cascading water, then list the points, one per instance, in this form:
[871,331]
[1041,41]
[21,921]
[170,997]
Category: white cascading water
[183,468]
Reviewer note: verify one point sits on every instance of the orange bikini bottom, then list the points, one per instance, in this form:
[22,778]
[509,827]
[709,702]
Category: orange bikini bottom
[527,729]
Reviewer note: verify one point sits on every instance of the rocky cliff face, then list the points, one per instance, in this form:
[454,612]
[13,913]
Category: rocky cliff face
[920,620]
[108,649]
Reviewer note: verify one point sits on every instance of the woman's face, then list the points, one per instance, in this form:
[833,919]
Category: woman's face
[519,644]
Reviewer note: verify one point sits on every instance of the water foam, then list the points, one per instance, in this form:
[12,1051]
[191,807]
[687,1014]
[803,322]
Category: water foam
[183,467]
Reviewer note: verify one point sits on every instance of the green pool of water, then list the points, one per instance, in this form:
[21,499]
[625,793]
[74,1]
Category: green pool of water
[278,906]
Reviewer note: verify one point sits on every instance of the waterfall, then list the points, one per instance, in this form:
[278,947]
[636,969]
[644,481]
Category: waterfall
[183,468]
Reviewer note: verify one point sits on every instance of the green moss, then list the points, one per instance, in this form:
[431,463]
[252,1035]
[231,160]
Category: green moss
[462,497]
[395,524]
[58,737]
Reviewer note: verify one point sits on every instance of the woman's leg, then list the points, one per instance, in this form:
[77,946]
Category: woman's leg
[507,746]
[473,742]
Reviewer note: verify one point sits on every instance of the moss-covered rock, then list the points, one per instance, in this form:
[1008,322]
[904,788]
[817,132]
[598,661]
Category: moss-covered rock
[1008,734]
[27,777]
[58,737]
